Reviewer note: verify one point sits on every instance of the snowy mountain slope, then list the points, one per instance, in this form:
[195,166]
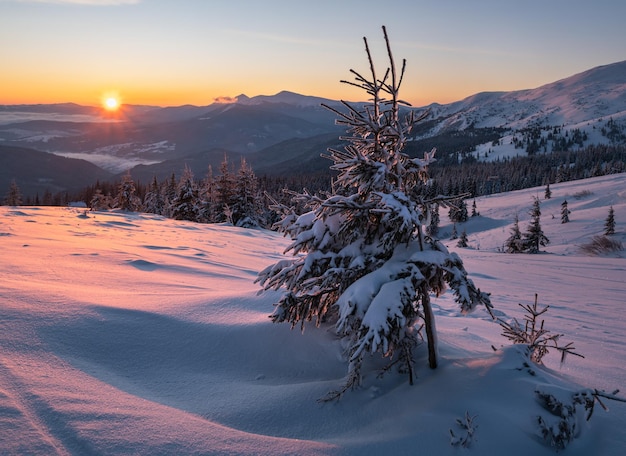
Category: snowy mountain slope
[125,333]
[595,94]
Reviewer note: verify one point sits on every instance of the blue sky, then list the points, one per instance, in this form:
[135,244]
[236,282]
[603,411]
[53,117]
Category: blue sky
[173,52]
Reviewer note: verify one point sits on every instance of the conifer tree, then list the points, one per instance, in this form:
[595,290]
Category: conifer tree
[361,259]
[14,196]
[475,213]
[514,243]
[224,191]
[127,199]
[154,201]
[170,191]
[246,205]
[548,193]
[609,224]
[534,237]
[206,194]
[185,204]
[99,201]
[458,212]
[462,240]
[564,212]
[455,234]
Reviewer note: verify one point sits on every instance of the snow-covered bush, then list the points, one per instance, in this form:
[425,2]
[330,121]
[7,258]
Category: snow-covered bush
[360,256]
[567,408]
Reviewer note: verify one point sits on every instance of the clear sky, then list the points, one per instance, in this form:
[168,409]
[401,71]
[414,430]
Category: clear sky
[175,52]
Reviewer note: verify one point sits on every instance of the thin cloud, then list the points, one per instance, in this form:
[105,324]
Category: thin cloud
[280,38]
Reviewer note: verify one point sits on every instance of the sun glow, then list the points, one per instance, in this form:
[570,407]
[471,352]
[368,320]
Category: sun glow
[111,101]
[111,104]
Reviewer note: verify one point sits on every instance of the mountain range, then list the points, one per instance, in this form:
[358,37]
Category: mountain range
[286,133]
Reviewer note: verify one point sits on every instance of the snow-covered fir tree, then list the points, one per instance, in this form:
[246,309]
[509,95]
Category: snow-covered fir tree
[206,195]
[100,201]
[458,212]
[455,233]
[154,202]
[564,212]
[185,203]
[14,195]
[462,240]
[534,237]
[514,243]
[360,258]
[246,201]
[475,212]
[609,223]
[127,199]
[225,189]
[170,192]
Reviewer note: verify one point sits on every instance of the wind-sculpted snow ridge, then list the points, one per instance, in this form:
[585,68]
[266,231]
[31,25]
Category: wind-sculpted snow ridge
[125,333]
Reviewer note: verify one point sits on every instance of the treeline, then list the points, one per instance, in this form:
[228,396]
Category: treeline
[231,196]
[240,197]
[505,175]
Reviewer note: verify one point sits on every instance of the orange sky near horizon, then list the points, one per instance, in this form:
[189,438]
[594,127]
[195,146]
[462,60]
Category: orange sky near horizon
[171,53]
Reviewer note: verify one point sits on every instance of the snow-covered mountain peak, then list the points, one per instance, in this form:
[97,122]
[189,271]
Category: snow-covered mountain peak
[584,97]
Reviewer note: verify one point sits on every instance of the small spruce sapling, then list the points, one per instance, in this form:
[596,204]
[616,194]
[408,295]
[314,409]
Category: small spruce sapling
[475,212]
[538,339]
[565,212]
[455,234]
[563,424]
[514,243]
[534,236]
[462,240]
[609,224]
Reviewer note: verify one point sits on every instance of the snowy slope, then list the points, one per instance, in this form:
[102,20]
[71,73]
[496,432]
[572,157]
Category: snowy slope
[125,333]
[586,97]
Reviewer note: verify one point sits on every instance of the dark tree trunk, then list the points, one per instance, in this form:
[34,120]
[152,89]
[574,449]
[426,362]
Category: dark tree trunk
[429,324]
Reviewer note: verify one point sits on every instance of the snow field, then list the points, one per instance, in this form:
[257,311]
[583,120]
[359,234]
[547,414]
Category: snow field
[124,333]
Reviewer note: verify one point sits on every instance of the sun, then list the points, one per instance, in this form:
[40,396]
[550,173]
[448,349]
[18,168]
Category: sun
[111,103]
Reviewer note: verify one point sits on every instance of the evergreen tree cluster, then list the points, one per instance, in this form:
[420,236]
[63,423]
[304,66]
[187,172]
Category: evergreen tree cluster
[505,175]
[232,197]
[532,239]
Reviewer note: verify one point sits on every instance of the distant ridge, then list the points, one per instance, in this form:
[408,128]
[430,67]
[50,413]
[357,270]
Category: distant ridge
[286,132]
[36,172]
